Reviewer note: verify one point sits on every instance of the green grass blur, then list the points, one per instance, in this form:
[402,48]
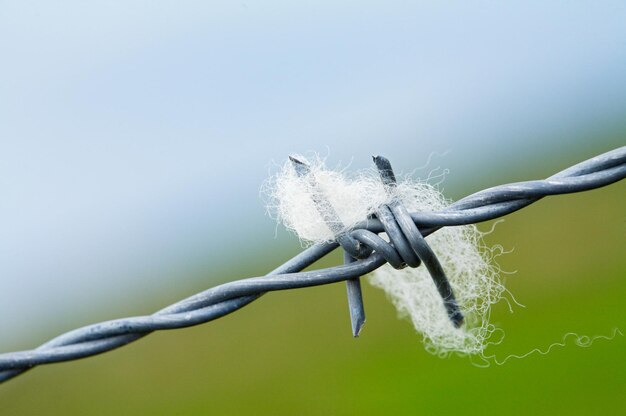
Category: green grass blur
[291,352]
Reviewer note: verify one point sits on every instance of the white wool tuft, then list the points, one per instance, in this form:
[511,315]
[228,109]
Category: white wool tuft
[467,263]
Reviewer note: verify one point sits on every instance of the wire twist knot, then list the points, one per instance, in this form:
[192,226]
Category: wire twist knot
[406,246]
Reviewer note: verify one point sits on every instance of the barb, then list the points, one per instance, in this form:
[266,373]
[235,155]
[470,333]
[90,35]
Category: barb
[415,242]
[353,250]
[221,300]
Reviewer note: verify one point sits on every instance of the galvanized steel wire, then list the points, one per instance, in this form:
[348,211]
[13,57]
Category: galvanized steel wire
[221,300]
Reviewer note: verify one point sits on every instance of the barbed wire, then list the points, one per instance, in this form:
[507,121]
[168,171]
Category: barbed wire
[365,252]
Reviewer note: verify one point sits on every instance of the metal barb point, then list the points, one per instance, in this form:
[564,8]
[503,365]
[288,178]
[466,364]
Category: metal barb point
[386,172]
[355,300]
[353,286]
[302,168]
[410,243]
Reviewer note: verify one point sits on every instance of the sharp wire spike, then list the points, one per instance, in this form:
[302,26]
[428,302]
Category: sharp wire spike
[302,168]
[419,244]
[386,171]
[355,299]
[330,216]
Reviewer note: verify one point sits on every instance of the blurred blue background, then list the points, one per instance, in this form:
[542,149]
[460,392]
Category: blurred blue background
[135,136]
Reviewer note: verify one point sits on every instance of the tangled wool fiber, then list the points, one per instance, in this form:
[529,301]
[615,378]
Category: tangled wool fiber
[467,262]
[582,341]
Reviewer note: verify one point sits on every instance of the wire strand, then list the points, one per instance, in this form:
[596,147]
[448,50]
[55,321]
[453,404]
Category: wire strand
[224,299]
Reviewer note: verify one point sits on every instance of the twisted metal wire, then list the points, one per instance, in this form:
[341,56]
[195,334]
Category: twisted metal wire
[221,300]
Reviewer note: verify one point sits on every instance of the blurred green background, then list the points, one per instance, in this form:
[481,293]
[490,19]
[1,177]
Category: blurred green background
[291,352]
[134,138]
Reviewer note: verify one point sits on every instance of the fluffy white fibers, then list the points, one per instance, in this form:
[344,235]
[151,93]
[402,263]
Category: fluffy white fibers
[467,263]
